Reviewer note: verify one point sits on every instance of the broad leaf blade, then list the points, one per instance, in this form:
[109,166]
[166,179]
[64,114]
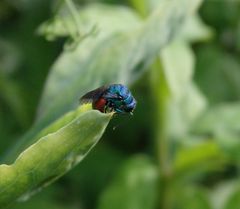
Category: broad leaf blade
[52,155]
[107,19]
[222,123]
[178,73]
[185,102]
[192,197]
[195,30]
[234,200]
[197,159]
[117,59]
[225,195]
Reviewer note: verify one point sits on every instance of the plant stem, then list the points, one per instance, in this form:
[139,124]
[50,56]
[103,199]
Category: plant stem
[161,98]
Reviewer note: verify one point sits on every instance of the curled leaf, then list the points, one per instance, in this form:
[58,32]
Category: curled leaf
[60,147]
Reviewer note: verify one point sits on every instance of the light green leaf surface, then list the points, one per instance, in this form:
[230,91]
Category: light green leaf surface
[107,19]
[218,74]
[234,199]
[118,58]
[178,73]
[225,195]
[185,100]
[198,158]
[58,148]
[195,29]
[192,197]
[135,186]
[222,123]
[144,7]
[221,118]
[184,112]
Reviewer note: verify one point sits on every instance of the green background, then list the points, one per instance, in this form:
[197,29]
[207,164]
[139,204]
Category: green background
[180,58]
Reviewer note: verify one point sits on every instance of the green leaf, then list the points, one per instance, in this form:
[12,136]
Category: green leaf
[144,7]
[192,198]
[178,73]
[222,123]
[233,201]
[220,118]
[184,112]
[57,149]
[185,100]
[107,19]
[225,195]
[195,29]
[135,186]
[217,74]
[117,59]
[198,158]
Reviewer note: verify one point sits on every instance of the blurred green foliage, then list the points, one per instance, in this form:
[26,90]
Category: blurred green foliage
[180,58]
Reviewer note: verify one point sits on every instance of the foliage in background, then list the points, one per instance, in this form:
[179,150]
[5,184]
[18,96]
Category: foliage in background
[184,74]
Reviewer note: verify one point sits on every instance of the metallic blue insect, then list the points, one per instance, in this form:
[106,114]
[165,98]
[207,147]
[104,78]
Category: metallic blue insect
[112,98]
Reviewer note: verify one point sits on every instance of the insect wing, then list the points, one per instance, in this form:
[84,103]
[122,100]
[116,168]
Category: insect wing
[93,95]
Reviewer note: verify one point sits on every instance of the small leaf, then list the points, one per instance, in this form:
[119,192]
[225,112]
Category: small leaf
[186,102]
[222,123]
[218,119]
[184,112]
[144,7]
[198,158]
[178,73]
[59,148]
[107,19]
[224,195]
[217,74]
[234,199]
[195,29]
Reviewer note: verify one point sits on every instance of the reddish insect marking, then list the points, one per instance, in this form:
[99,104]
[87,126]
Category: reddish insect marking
[100,104]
